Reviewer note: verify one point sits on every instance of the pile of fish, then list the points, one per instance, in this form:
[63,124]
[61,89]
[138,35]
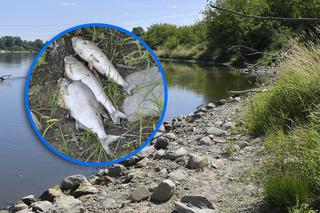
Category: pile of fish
[82,93]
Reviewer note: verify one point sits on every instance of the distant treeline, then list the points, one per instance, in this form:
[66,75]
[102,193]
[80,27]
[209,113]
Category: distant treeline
[15,43]
[223,36]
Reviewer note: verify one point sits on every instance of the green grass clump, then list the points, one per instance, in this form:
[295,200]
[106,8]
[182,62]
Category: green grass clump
[293,172]
[293,97]
[288,115]
[285,190]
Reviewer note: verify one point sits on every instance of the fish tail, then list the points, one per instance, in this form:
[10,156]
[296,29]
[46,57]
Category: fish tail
[105,142]
[116,116]
[127,88]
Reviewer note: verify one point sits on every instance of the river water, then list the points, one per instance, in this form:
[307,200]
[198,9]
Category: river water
[190,85]
[28,167]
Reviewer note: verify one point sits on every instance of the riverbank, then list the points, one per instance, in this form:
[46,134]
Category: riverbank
[11,51]
[193,61]
[197,158]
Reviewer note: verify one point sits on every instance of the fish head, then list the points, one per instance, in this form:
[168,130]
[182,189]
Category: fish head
[78,40]
[70,59]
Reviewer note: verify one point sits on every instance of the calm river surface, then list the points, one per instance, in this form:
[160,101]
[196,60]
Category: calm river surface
[28,167]
[190,85]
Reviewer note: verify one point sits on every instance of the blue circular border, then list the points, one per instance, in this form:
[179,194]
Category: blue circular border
[27,105]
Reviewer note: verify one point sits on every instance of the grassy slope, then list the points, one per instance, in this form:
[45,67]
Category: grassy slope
[288,115]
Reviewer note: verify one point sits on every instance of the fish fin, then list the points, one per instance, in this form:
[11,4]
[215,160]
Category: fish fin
[117,116]
[127,89]
[102,111]
[95,73]
[105,142]
[36,121]
[79,126]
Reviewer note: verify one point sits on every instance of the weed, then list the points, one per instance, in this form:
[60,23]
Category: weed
[230,149]
[285,190]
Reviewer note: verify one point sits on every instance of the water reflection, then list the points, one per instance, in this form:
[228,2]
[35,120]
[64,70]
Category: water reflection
[191,85]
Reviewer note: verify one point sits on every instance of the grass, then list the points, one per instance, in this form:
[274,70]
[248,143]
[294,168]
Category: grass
[230,149]
[295,94]
[286,190]
[184,52]
[128,56]
[288,115]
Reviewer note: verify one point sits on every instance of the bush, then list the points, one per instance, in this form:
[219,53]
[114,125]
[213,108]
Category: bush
[286,190]
[293,97]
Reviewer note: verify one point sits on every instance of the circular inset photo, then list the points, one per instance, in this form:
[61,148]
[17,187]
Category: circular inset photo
[96,94]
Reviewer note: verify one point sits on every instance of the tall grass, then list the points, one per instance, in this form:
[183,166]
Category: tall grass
[293,97]
[288,114]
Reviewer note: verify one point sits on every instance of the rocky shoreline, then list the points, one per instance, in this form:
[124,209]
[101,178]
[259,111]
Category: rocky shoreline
[196,163]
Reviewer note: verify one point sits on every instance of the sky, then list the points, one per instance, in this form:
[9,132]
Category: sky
[32,19]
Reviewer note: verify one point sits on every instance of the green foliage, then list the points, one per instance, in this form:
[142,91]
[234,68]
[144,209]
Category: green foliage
[288,113]
[170,36]
[302,208]
[285,190]
[232,38]
[230,149]
[295,94]
[139,31]
[13,43]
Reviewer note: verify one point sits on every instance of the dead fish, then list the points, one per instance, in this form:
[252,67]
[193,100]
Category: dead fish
[76,71]
[84,108]
[36,121]
[91,53]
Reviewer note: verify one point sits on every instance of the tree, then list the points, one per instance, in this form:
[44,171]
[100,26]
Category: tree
[139,31]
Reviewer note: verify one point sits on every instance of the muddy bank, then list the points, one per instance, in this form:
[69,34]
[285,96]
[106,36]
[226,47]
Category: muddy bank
[197,161]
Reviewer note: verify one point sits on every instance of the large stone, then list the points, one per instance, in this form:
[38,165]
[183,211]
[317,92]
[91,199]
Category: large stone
[84,189]
[146,152]
[28,199]
[162,129]
[170,136]
[205,140]
[158,134]
[158,154]
[210,106]
[68,204]
[161,143]
[116,170]
[174,154]
[142,163]
[194,204]
[220,102]
[73,181]
[19,207]
[139,194]
[215,131]
[42,206]
[51,193]
[164,191]
[177,175]
[196,162]
[104,180]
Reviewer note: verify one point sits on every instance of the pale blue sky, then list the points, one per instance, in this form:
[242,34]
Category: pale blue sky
[31,19]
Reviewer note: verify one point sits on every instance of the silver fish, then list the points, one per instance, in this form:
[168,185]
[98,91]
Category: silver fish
[76,71]
[91,53]
[84,108]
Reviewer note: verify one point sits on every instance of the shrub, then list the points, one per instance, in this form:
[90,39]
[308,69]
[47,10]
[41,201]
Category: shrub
[293,97]
[286,190]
